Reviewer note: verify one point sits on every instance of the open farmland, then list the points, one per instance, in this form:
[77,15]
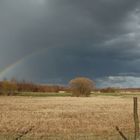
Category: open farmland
[65,117]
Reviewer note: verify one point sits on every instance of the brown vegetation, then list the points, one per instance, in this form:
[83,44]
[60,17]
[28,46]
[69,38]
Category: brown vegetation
[81,86]
[57,116]
[13,87]
[109,90]
[8,88]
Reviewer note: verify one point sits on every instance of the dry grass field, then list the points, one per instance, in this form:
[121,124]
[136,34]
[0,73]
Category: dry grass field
[55,118]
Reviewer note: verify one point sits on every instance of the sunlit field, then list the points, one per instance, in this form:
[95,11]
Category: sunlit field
[68,118]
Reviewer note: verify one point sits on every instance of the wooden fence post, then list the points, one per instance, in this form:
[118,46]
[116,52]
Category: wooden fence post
[136,119]
[121,133]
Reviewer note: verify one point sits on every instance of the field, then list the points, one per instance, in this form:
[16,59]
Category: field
[68,118]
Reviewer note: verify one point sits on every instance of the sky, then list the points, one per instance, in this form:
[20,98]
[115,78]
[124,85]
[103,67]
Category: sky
[54,41]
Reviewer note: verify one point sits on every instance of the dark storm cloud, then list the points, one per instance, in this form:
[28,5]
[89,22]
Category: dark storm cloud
[83,38]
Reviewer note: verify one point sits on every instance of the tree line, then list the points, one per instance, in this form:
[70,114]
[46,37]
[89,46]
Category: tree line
[79,86]
[13,87]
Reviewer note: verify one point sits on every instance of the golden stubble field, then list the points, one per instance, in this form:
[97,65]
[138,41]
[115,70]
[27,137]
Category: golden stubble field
[54,117]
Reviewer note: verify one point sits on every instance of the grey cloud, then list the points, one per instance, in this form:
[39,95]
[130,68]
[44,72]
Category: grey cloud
[119,81]
[88,38]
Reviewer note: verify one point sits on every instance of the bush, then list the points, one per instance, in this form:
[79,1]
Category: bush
[81,86]
[8,88]
[108,90]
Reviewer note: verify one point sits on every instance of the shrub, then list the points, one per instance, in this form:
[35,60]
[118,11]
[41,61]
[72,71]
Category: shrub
[108,90]
[8,88]
[81,86]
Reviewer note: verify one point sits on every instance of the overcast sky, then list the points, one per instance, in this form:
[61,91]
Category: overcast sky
[53,41]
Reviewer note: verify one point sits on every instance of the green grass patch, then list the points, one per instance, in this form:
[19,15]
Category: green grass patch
[116,94]
[106,94]
[54,94]
[41,94]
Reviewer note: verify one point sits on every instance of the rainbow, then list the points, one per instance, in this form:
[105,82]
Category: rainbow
[20,61]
